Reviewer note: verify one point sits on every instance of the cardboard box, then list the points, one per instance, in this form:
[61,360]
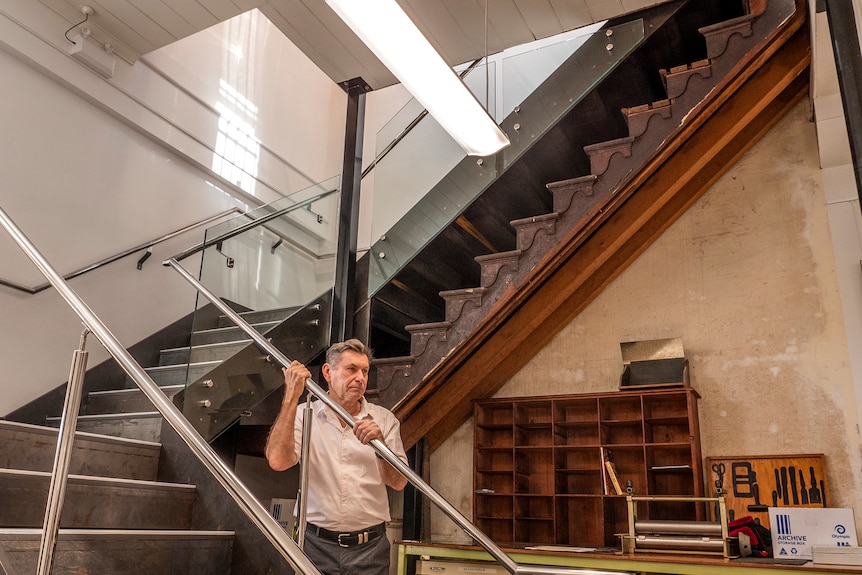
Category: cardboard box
[282,511]
[654,363]
[795,530]
[836,555]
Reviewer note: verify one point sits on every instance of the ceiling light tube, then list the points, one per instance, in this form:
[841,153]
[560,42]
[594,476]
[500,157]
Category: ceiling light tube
[387,31]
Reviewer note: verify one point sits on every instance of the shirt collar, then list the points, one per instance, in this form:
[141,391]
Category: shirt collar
[322,410]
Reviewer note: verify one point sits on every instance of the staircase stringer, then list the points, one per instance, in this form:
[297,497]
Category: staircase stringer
[523,320]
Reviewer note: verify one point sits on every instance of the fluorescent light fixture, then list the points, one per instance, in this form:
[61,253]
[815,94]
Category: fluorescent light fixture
[384,27]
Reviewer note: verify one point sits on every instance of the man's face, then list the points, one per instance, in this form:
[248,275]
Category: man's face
[348,378]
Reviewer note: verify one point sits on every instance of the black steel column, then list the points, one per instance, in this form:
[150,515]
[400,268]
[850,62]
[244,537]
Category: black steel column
[344,295]
[848,61]
[412,515]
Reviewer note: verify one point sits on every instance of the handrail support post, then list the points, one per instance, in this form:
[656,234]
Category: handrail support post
[302,494]
[62,457]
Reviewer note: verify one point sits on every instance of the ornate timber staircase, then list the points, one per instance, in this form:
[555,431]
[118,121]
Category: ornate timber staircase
[715,109]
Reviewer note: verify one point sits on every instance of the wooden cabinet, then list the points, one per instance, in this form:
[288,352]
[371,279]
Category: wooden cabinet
[539,464]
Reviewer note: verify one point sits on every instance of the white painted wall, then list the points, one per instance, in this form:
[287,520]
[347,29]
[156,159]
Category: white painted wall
[81,197]
[841,194]
[93,167]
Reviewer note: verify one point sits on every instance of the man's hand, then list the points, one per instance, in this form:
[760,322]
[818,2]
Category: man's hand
[295,377]
[367,430]
[280,445]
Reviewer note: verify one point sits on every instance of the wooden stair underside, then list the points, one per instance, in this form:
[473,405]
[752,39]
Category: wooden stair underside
[753,97]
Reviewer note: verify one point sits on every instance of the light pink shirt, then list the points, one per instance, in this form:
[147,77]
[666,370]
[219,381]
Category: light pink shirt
[345,489]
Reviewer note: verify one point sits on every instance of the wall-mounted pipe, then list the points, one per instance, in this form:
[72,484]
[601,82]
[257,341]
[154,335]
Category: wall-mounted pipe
[848,62]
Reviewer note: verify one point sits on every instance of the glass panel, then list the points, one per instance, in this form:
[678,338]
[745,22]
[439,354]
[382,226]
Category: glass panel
[594,59]
[425,182]
[416,164]
[271,264]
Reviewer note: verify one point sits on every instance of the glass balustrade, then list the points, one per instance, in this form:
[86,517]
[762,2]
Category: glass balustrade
[279,260]
[276,263]
[426,181]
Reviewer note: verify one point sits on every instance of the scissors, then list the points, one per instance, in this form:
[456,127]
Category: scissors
[719,469]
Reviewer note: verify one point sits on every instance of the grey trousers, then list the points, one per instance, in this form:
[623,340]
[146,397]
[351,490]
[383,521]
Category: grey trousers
[333,559]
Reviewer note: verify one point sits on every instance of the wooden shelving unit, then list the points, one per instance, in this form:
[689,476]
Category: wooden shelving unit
[539,472]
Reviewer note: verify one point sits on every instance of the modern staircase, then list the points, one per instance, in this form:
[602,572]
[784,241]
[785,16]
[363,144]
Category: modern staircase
[128,413]
[118,517]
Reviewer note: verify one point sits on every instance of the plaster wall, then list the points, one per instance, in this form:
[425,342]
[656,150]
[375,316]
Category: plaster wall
[82,187]
[747,278]
[93,168]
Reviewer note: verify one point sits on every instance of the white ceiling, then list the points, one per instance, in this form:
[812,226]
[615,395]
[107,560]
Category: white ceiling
[456,28]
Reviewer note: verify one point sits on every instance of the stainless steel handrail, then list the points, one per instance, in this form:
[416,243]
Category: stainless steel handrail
[498,554]
[121,255]
[252,224]
[244,498]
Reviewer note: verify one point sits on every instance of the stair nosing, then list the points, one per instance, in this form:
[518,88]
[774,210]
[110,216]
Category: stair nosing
[107,416]
[68,534]
[390,360]
[429,325]
[178,365]
[206,345]
[106,481]
[100,437]
[131,390]
[214,329]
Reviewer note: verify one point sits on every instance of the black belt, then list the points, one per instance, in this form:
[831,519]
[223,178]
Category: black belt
[349,538]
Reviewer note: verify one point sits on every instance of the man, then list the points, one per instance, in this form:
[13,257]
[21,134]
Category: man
[347,501]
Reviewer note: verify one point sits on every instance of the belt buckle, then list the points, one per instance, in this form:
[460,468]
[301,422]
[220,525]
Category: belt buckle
[340,535]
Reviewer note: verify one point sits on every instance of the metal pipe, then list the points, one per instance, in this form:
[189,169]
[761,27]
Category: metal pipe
[121,255]
[244,498]
[848,64]
[481,538]
[670,543]
[62,457]
[302,499]
[550,570]
[252,224]
[664,527]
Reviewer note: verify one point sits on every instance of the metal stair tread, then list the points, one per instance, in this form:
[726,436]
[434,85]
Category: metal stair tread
[28,533]
[179,365]
[498,255]
[99,437]
[206,345]
[437,325]
[550,216]
[127,390]
[227,327]
[609,143]
[377,361]
[470,291]
[106,416]
[103,481]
